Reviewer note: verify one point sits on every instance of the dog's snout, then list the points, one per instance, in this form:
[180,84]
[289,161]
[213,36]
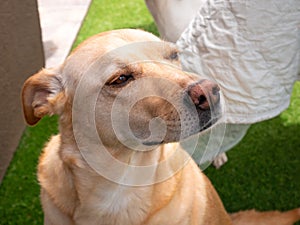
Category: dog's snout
[204,94]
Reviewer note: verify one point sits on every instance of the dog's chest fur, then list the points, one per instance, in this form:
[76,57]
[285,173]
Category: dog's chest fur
[84,195]
[117,204]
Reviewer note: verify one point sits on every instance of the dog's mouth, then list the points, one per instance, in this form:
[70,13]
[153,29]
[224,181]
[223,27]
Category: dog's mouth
[209,123]
[188,126]
[214,116]
[152,143]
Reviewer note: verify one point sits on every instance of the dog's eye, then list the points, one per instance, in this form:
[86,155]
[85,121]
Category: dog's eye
[174,56]
[121,80]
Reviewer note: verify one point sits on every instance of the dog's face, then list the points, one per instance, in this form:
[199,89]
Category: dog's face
[141,91]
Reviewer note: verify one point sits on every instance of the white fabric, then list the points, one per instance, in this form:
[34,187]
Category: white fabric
[250,47]
[173,16]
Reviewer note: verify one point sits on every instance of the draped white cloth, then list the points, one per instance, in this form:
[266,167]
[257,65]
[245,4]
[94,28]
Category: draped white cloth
[252,49]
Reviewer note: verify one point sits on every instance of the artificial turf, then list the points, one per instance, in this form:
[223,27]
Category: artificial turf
[263,171]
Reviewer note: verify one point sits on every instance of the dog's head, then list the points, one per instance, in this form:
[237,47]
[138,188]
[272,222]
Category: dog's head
[132,84]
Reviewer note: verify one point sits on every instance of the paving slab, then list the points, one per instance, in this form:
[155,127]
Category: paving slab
[60,23]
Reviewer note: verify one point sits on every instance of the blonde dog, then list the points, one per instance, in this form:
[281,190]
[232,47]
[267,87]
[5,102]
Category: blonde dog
[124,105]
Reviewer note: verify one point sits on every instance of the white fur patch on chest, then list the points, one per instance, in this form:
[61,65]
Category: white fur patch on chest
[115,205]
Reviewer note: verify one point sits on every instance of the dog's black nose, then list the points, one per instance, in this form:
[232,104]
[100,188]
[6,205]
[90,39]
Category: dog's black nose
[205,94]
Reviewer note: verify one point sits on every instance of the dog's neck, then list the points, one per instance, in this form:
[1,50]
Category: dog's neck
[113,198]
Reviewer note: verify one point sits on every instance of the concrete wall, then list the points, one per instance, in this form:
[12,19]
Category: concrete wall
[21,55]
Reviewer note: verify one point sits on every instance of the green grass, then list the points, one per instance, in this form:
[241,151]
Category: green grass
[19,191]
[263,171]
[115,14]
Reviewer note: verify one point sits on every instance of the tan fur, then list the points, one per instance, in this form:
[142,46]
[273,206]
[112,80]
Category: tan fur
[74,193]
[252,217]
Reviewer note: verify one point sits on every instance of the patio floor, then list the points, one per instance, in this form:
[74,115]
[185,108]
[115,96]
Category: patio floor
[60,23]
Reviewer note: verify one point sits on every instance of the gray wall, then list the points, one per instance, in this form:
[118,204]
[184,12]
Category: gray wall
[21,55]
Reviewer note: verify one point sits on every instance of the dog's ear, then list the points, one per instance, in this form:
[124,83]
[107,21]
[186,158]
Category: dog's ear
[42,95]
